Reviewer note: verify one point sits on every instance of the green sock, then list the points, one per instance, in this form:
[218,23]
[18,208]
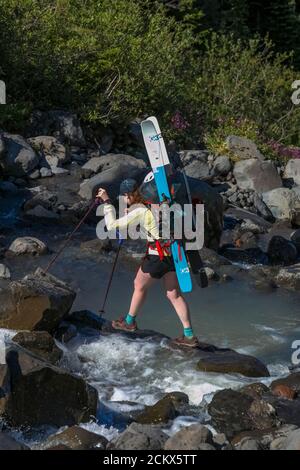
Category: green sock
[129,319]
[188,332]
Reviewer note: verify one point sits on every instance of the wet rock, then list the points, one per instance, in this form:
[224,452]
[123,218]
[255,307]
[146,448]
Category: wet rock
[264,438]
[86,319]
[97,246]
[63,399]
[162,412]
[76,438]
[282,251]
[8,443]
[37,302]
[233,412]
[18,158]
[260,176]
[190,438]
[179,399]
[4,272]
[116,168]
[119,414]
[243,148]
[65,332]
[50,150]
[295,238]
[255,391]
[289,278]
[248,256]
[213,259]
[282,202]
[28,245]
[39,343]
[292,382]
[231,362]
[141,437]
[288,411]
[292,170]
[283,391]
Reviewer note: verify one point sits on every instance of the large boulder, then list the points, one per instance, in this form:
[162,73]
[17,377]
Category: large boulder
[116,168]
[28,245]
[233,412]
[63,125]
[18,158]
[141,437]
[243,148]
[39,343]
[37,302]
[92,167]
[292,170]
[52,152]
[260,176]
[282,202]
[41,394]
[282,251]
[227,361]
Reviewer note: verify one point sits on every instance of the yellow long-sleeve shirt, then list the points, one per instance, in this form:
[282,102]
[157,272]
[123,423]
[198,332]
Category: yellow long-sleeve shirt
[139,216]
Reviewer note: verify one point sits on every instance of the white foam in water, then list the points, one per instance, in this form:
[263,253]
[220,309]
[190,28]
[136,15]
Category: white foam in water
[109,433]
[142,371]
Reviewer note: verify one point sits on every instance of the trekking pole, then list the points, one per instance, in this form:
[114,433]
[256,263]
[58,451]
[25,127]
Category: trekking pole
[54,259]
[120,242]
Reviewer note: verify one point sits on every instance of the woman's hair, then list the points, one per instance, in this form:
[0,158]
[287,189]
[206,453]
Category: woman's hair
[137,198]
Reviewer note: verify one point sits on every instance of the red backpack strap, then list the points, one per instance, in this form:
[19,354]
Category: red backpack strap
[159,250]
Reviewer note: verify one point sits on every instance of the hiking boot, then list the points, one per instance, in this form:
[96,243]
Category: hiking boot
[185,341]
[122,325]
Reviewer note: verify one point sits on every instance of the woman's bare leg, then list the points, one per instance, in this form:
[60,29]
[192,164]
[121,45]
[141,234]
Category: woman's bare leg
[177,300]
[142,283]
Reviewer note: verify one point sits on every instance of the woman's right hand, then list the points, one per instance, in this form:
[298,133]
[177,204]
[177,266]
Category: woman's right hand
[102,194]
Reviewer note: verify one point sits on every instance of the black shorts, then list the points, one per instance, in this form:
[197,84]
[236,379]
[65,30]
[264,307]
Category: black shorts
[156,267]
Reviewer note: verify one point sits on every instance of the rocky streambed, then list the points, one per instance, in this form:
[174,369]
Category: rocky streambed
[67,380]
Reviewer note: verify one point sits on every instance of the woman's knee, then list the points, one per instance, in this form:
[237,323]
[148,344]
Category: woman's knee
[172,295]
[139,286]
